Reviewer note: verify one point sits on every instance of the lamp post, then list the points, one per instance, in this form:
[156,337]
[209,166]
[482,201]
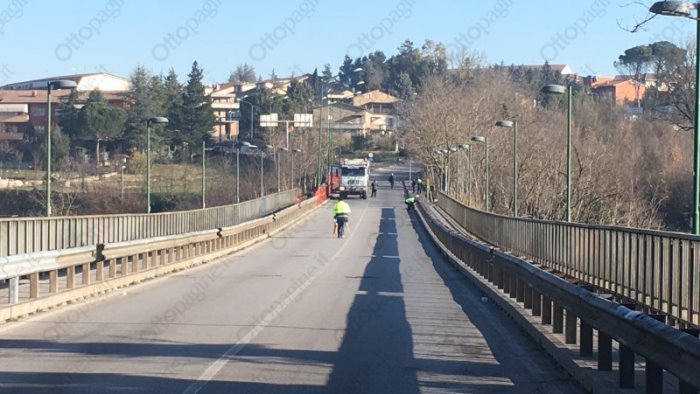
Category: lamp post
[252,114]
[58,84]
[681,8]
[204,173]
[514,125]
[149,121]
[468,147]
[279,180]
[483,140]
[294,152]
[560,89]
[238,146]
[330,141]
[262,168]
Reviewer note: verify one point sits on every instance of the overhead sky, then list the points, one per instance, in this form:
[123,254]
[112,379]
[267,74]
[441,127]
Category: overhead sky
[41,38]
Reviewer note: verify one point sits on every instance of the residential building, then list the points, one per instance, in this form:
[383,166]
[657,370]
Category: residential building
[105,82]
[226,110]
[620,92]
[371,112]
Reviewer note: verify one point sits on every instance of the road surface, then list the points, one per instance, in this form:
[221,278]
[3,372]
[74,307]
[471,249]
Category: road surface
[379,311]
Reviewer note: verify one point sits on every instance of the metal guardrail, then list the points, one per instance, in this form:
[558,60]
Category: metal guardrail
[657,269]
[55,277]
[31,235]
[575,311]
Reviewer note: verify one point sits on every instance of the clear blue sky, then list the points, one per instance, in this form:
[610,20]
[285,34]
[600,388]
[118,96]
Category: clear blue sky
[42,38]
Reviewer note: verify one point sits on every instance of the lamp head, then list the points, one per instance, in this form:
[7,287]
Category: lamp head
[504,123]
[553,89]
[62,84]
[479,139]
[157,120]
[672,8]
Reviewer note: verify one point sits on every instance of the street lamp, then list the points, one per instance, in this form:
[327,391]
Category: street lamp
[467,147]
[149,121]
[204,172]
[238,147]
[514,125]
[58,84]
[294,152]
[330,141]
[483,140]
[682,8]
[252,114]
[560,89]
[279,181]
[262,168]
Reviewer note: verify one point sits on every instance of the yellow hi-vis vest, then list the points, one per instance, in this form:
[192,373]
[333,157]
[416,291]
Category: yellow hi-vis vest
[341,208]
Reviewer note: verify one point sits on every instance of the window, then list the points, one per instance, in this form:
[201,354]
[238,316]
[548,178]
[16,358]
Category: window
[38,111]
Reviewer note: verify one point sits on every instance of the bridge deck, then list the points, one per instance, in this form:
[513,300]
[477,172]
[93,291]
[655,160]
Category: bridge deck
[379,311]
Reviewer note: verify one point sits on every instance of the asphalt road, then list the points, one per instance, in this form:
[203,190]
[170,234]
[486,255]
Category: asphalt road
[377,312]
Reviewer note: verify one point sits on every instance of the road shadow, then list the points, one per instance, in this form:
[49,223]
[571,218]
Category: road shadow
[376,352]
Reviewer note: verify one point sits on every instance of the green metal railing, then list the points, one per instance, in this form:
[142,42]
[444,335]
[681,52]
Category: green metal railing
[29,235]
[659,270]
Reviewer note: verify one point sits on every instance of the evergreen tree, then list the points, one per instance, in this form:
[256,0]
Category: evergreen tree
[197,116]
[146,99]
[172,99]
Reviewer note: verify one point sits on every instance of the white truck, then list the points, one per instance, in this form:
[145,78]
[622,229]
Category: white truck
[354,178]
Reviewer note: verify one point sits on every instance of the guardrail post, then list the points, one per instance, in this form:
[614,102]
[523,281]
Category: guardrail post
[546,310]
[626,362]
[557,319]
[536,303]
[604,352]
[34,285]
[70,277]
[13,296]
[53,281]
[586,347]
[527,296]
[520,290]
[506,283]
[570,335]
[685,387]
[99,271]
[498,277]
[86,274]
[654,372]
[513,286]
[112,268]
[124,268]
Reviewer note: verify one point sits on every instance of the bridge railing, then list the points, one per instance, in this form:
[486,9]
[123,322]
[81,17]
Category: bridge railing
[573,311]
[31,235]
[38,281]
[659,270]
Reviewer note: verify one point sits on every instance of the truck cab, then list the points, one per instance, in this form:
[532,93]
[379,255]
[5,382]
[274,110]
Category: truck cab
[354,178]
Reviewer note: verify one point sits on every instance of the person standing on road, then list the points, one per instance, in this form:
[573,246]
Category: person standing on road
[391,180]
[413,186]
[341,213]
[374,188]
[419,183]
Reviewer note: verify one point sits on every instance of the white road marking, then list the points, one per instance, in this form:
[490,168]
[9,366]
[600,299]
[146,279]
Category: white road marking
[219,364]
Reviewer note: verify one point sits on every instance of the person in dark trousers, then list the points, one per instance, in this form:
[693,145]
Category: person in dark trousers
[413,185]
[391,180]
[419,182]
[374,188]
